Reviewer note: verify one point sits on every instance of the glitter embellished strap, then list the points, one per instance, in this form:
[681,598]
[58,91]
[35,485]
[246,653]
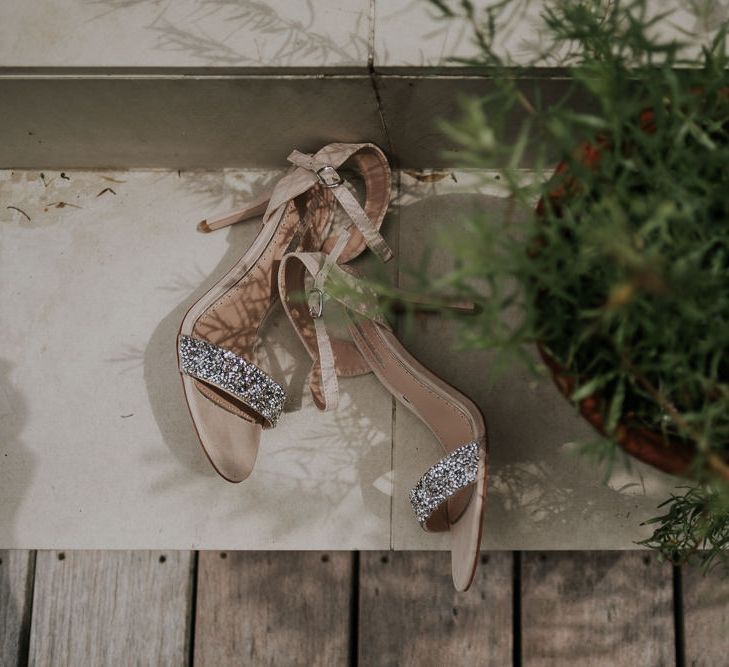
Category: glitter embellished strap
[226,370]
[451,474]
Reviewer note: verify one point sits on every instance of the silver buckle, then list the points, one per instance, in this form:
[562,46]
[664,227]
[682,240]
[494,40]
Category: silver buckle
[315,301]
[329,177]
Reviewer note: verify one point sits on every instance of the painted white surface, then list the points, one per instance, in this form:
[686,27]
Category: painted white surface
[275,34]
[413,33]
[97,449]
[184,33]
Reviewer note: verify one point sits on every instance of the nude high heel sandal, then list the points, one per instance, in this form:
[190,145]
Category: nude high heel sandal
[450,496]
[230,398]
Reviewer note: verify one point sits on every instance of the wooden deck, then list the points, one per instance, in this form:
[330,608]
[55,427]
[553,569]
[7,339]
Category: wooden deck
[368,608]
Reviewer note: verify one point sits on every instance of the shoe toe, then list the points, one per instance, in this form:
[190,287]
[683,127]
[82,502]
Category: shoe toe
[466,534]
[230,441]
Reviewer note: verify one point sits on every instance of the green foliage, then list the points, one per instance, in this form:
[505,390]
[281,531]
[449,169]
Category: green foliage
[693,529]
[626,280]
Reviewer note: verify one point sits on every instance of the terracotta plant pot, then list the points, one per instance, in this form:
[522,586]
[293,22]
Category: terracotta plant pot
[667,454]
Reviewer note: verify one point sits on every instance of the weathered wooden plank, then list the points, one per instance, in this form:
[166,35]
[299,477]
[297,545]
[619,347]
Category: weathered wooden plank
[16,585]
[411,615]
[706,617]
[112,608]
[596,608]
[264,608]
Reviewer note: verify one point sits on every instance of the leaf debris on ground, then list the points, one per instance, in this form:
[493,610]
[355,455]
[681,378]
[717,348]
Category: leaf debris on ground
[19,210]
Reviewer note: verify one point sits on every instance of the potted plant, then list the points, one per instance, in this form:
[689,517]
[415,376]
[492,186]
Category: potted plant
[621,277]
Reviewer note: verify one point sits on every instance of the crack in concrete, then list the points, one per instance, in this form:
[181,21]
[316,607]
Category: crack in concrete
[375,85]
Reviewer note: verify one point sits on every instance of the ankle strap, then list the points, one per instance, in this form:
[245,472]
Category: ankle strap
[318,169]
[322,164]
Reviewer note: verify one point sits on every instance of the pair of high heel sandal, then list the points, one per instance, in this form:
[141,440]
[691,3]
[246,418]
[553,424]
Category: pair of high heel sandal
[301,257]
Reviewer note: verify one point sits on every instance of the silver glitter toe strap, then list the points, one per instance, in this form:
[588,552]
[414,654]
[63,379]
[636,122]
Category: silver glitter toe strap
[445,478]
[228,371]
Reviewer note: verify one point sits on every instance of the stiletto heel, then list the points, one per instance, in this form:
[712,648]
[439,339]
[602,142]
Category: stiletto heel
[450,496]
[230,398]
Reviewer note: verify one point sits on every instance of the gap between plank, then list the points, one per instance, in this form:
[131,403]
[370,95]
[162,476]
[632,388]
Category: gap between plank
[516,610]
[678,620]
[354,612]
[193,609]
[27,621]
